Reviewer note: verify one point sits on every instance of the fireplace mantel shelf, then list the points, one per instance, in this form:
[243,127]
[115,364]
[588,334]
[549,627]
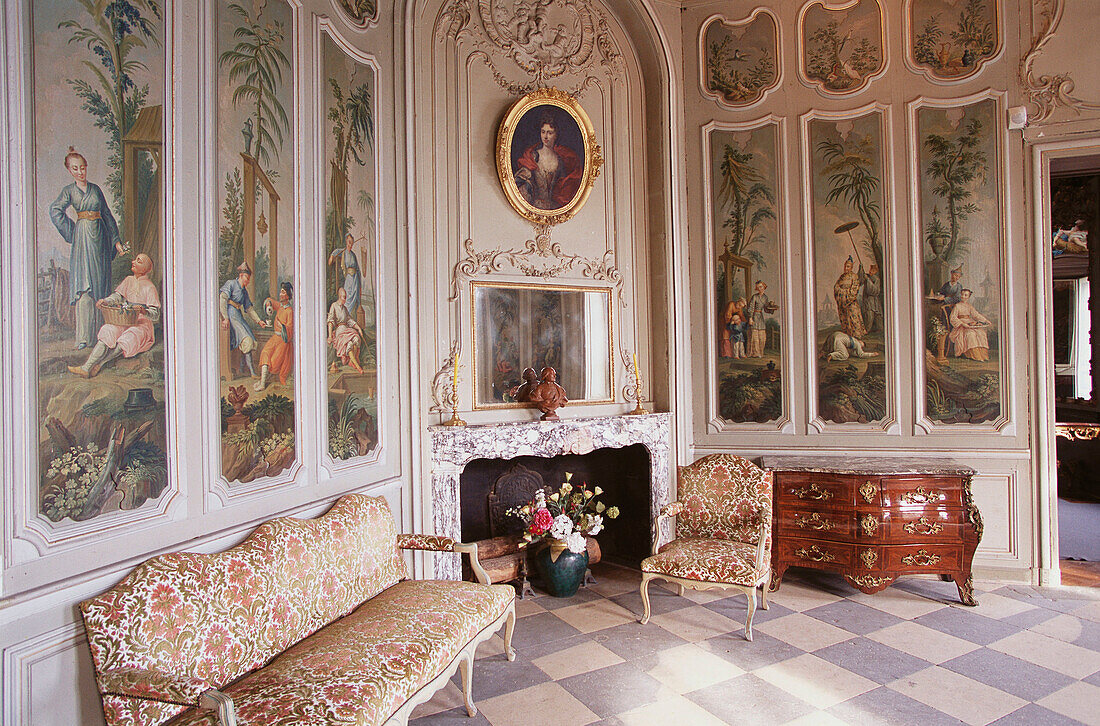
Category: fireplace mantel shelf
[454,447]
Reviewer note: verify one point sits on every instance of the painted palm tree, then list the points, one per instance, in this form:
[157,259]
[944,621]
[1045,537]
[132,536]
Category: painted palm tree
[256,65]
[114,29]
[352,118]
[750,201]
[849,172]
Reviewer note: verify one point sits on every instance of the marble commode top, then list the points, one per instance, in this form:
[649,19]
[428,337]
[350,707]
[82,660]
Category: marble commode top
[863,465]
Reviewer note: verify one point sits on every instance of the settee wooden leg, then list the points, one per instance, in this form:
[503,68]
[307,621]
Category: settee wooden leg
[466,666]
[764,592]
[645,597]
[751,595]
[509,627]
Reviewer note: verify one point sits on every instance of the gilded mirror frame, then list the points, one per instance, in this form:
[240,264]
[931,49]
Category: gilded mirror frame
[521,118]
[477,372]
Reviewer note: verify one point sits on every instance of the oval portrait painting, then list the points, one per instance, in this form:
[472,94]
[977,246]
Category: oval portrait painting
[547,157]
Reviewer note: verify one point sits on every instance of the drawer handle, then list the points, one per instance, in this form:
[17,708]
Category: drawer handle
[812,492]
[923,526]
[869,557]
[923,558]
[869,580]
[814,521]
[869,524]
[867,490]
[814,554]
[920,496]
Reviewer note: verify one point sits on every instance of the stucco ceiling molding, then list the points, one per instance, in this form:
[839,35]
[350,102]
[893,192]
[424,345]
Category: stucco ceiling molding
[539,257]
[545,39]
[1048,91]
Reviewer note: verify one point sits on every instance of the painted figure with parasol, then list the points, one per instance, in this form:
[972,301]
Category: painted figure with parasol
[846,290]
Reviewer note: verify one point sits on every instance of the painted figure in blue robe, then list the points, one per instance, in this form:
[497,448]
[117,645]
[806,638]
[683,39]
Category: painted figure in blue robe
[94,240]
[951,292]
[236,309]
[349,268]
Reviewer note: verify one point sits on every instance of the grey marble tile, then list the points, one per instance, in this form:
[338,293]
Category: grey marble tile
[540,628]
[613,690]
[660,601]
[634,640]
[968,625]
[1035,715]
[873,660]
[553,603]
[735,609]
[763,651]
[886,707]
[495,676]
[453,717]
[750,700]
[1012,675]
[853,616]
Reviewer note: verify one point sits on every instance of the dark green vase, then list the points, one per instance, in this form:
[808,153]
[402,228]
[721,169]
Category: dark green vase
[564,575]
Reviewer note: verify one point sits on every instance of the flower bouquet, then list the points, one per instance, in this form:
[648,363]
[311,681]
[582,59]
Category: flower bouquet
[563,518]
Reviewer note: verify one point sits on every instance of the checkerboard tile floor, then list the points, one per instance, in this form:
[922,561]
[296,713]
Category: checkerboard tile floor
[823,654]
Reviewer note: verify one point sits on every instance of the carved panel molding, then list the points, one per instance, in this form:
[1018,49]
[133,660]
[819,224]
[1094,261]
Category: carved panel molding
[544,39]
[1048,91]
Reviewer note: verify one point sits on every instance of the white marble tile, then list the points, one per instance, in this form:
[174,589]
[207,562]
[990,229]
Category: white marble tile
[546,704]
[804,632]
[798,597]
[999,606]
[675,710]
[816,719]
[958,696]
[1080,701]
[1066,628]
[1071,660]
[689,667]
[696,623]
[815,681]
[898,602]
[583,658]
[923,642]
[595,615]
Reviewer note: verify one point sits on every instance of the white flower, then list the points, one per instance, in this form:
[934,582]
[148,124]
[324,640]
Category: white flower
[562,527]
[575,542]
[540,499]
[595,526]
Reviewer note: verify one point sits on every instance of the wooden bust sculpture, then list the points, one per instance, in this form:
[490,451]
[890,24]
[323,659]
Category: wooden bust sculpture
[548,396]
[522,392]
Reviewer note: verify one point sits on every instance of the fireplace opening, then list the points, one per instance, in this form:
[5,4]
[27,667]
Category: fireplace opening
[487,487]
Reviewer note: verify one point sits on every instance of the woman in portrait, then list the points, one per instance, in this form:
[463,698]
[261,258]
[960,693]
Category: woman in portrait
[548,174]
[344,334]
[93,239]
[968,337]
[349,268]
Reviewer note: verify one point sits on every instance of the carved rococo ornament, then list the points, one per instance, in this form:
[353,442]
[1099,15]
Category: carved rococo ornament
[482,262]
[543,38]
[443,393]
[1048,91]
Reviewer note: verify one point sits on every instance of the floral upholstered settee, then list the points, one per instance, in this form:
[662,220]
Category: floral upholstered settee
[305,622]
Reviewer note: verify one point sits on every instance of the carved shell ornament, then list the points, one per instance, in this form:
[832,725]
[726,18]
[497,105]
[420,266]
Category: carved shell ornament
[544,38]
[547,156]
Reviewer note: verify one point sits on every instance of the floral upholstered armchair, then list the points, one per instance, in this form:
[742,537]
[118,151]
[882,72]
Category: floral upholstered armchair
[723,532]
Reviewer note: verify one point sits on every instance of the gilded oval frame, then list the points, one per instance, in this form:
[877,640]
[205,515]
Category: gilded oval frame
[561,106]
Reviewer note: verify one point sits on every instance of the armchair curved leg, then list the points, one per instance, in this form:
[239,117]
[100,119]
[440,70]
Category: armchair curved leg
[645,597]
[509,628]
[764,590]
[680,589]
[466,665]
[751,594]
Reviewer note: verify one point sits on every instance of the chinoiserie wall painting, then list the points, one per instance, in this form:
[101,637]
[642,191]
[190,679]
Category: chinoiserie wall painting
[744,188]
[740,59]
[351,249]
[99,151]
[842,46]
[961,245]
[256,237]
[850,248]
[952,39]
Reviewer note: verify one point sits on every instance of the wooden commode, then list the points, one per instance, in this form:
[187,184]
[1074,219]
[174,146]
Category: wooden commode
[873,520]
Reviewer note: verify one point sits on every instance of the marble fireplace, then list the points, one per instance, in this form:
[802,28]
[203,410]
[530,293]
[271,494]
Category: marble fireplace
[455,448]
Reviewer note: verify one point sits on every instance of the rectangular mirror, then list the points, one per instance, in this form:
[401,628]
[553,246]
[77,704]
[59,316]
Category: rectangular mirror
[518,326]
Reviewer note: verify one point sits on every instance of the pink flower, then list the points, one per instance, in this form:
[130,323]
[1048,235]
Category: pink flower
[543,520]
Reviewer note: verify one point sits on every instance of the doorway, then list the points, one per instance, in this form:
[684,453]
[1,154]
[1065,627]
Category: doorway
[1067,217]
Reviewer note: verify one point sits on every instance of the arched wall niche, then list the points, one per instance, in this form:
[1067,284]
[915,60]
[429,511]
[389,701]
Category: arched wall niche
[463,75]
